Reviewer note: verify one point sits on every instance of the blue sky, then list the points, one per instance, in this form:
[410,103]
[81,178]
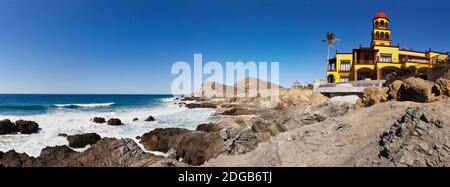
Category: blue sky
[129,46]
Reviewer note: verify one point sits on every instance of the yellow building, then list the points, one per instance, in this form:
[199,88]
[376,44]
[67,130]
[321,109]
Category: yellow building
[380,59]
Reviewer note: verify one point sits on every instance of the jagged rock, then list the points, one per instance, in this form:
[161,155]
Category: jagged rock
[81,140]
[135,119]
[114,122]
[408,142]
[98,120]
[108,152]
[239,141]
[7,127]
[208,127]
[150,118]
[27,127]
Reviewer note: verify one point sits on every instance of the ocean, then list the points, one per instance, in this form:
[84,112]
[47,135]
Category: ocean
[71,114]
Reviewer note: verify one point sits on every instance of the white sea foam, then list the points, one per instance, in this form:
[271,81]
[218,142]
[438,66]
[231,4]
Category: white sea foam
[89,105]
[76,122]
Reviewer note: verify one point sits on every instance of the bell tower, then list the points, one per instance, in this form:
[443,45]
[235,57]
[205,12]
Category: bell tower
[381,32]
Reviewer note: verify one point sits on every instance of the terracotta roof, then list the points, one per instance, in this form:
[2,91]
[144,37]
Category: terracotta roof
[380,14]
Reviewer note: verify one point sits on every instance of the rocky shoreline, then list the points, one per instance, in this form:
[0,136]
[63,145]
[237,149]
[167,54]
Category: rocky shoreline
[305,129]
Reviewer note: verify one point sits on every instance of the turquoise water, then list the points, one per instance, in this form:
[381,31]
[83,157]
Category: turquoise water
[31,104]
[71,114]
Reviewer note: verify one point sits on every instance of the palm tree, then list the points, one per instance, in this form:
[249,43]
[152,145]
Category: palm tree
[331,38]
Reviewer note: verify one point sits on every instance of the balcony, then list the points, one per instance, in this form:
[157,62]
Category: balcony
[365,62]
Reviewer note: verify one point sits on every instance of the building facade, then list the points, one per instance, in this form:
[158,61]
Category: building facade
[381,58]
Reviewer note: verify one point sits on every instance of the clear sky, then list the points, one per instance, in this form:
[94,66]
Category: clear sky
[129,46]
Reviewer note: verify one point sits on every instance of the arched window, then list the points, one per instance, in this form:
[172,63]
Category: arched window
[377,35]
[382,35]
[382,23]
[387,24]
[377,23]
[387,36]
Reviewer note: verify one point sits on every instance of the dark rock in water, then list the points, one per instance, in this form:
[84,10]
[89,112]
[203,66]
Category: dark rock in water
[114,122]
[239,141]
[98,120]
[27,127]
[196,148]
[201,105]
[138,137]
[81,140]
[7,127]
[150,118]
[135,119]
[208,127]
[161,139]
[62,134]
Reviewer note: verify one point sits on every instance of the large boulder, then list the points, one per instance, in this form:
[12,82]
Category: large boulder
[7,127]
[161,139]
[192,146]
[208,127]
[418,90]
[238,111]
[27,127]
[197,147]
[373,95]
[81,140]
[98,120]
[114,122]
[201,105]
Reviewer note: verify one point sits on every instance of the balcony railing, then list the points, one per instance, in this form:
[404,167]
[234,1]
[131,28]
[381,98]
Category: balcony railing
[365,62]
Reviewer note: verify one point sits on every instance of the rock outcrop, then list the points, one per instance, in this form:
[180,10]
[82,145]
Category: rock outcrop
[108,152]
[192,147]
[150,118]
[201,105]
[98,120]
[373,95]
[81,140]
[114,122]
[418,90]
[7,127]
[22,126]
[239,141]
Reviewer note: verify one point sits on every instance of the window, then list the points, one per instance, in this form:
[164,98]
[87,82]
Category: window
[387,36]
[385,58]
[345,79]
[345,65]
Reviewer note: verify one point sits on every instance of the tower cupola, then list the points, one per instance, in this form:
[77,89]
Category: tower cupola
[381,32]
